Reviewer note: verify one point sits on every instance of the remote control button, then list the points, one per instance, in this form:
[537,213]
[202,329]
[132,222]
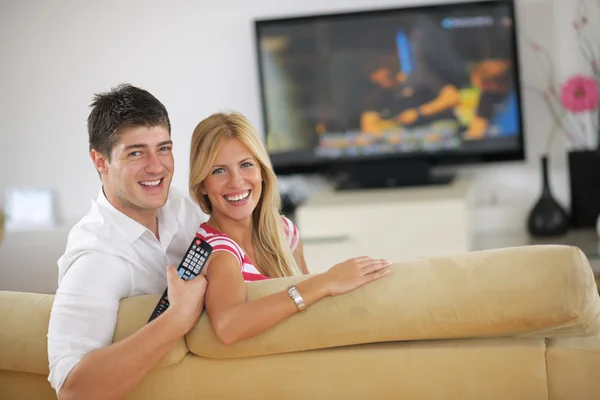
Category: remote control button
[190,267]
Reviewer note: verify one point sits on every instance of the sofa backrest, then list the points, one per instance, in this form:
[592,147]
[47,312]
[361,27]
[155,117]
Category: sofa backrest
[133,315]
[542,291]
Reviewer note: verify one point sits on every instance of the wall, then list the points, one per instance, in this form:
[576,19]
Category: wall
[197,57]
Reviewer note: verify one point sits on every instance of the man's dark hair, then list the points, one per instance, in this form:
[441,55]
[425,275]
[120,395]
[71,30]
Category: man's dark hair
[125,106]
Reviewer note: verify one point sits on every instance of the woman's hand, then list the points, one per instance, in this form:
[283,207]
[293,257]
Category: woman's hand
[353,273]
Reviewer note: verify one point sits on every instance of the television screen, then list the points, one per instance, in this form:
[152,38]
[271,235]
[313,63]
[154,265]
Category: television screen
[430,80]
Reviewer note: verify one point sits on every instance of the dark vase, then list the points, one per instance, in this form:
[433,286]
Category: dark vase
[548,217]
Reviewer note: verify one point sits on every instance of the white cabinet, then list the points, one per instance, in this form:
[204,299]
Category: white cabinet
[397,224]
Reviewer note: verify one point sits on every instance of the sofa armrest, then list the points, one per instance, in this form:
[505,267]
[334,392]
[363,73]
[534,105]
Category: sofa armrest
[24,321]
[535,290]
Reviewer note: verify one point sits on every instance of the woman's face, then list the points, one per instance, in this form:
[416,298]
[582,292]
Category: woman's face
[234,182]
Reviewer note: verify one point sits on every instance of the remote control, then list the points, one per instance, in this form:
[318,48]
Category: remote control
[191,265]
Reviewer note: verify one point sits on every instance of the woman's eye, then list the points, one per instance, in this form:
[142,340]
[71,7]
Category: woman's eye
[247,164]
[218,171]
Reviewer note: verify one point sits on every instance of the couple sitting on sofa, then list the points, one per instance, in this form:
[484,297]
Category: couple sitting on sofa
[138,225]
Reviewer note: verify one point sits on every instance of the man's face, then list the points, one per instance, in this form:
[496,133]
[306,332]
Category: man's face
[138,177]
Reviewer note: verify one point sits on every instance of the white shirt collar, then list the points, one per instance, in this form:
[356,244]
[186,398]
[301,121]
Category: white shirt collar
[167,224]
[130,228]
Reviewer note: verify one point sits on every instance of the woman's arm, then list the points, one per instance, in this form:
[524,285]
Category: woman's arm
[234,319]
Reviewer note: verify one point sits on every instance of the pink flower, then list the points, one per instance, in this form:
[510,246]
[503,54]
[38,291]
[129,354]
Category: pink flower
[580,93]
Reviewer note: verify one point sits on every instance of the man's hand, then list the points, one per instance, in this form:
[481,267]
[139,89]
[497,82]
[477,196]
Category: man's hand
[186,299]
[98,375]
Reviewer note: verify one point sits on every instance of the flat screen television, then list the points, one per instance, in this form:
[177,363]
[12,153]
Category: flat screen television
[379,97]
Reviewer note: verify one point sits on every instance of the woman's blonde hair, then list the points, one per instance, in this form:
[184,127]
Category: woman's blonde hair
[273,255]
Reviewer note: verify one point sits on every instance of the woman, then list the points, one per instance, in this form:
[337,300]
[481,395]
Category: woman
[232,180]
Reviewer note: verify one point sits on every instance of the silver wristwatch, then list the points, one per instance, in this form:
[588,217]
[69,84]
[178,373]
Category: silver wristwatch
[297,297]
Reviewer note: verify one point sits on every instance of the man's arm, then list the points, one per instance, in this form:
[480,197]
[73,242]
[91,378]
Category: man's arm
[113,371]
[83,362]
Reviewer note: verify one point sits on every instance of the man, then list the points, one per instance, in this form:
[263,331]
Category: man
[134,229]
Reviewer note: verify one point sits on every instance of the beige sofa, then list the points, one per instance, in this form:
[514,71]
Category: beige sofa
[517,323]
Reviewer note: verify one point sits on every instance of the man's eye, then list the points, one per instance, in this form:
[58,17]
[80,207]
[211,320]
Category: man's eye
[135,153]
[165,148]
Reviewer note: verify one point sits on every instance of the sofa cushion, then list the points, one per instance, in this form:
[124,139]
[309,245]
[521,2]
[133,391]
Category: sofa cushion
[542,291]
[481,369]
[573,364]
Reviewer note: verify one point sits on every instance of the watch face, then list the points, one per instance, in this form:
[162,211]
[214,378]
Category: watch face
[295,295]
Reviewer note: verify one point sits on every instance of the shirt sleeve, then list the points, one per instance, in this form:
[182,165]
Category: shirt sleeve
[84,313]
[291,232]
[223,243]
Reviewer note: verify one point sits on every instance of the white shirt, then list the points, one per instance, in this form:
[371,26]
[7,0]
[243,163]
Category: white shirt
[109,256]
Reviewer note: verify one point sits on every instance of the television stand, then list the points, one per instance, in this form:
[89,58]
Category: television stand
[388,174]
[394,223]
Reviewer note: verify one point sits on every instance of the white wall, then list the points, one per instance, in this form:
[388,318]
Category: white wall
[197,57]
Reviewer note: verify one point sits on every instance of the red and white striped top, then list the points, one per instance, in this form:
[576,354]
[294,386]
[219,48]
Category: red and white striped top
[221,242]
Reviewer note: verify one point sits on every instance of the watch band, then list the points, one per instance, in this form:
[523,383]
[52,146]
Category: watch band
[297,297]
